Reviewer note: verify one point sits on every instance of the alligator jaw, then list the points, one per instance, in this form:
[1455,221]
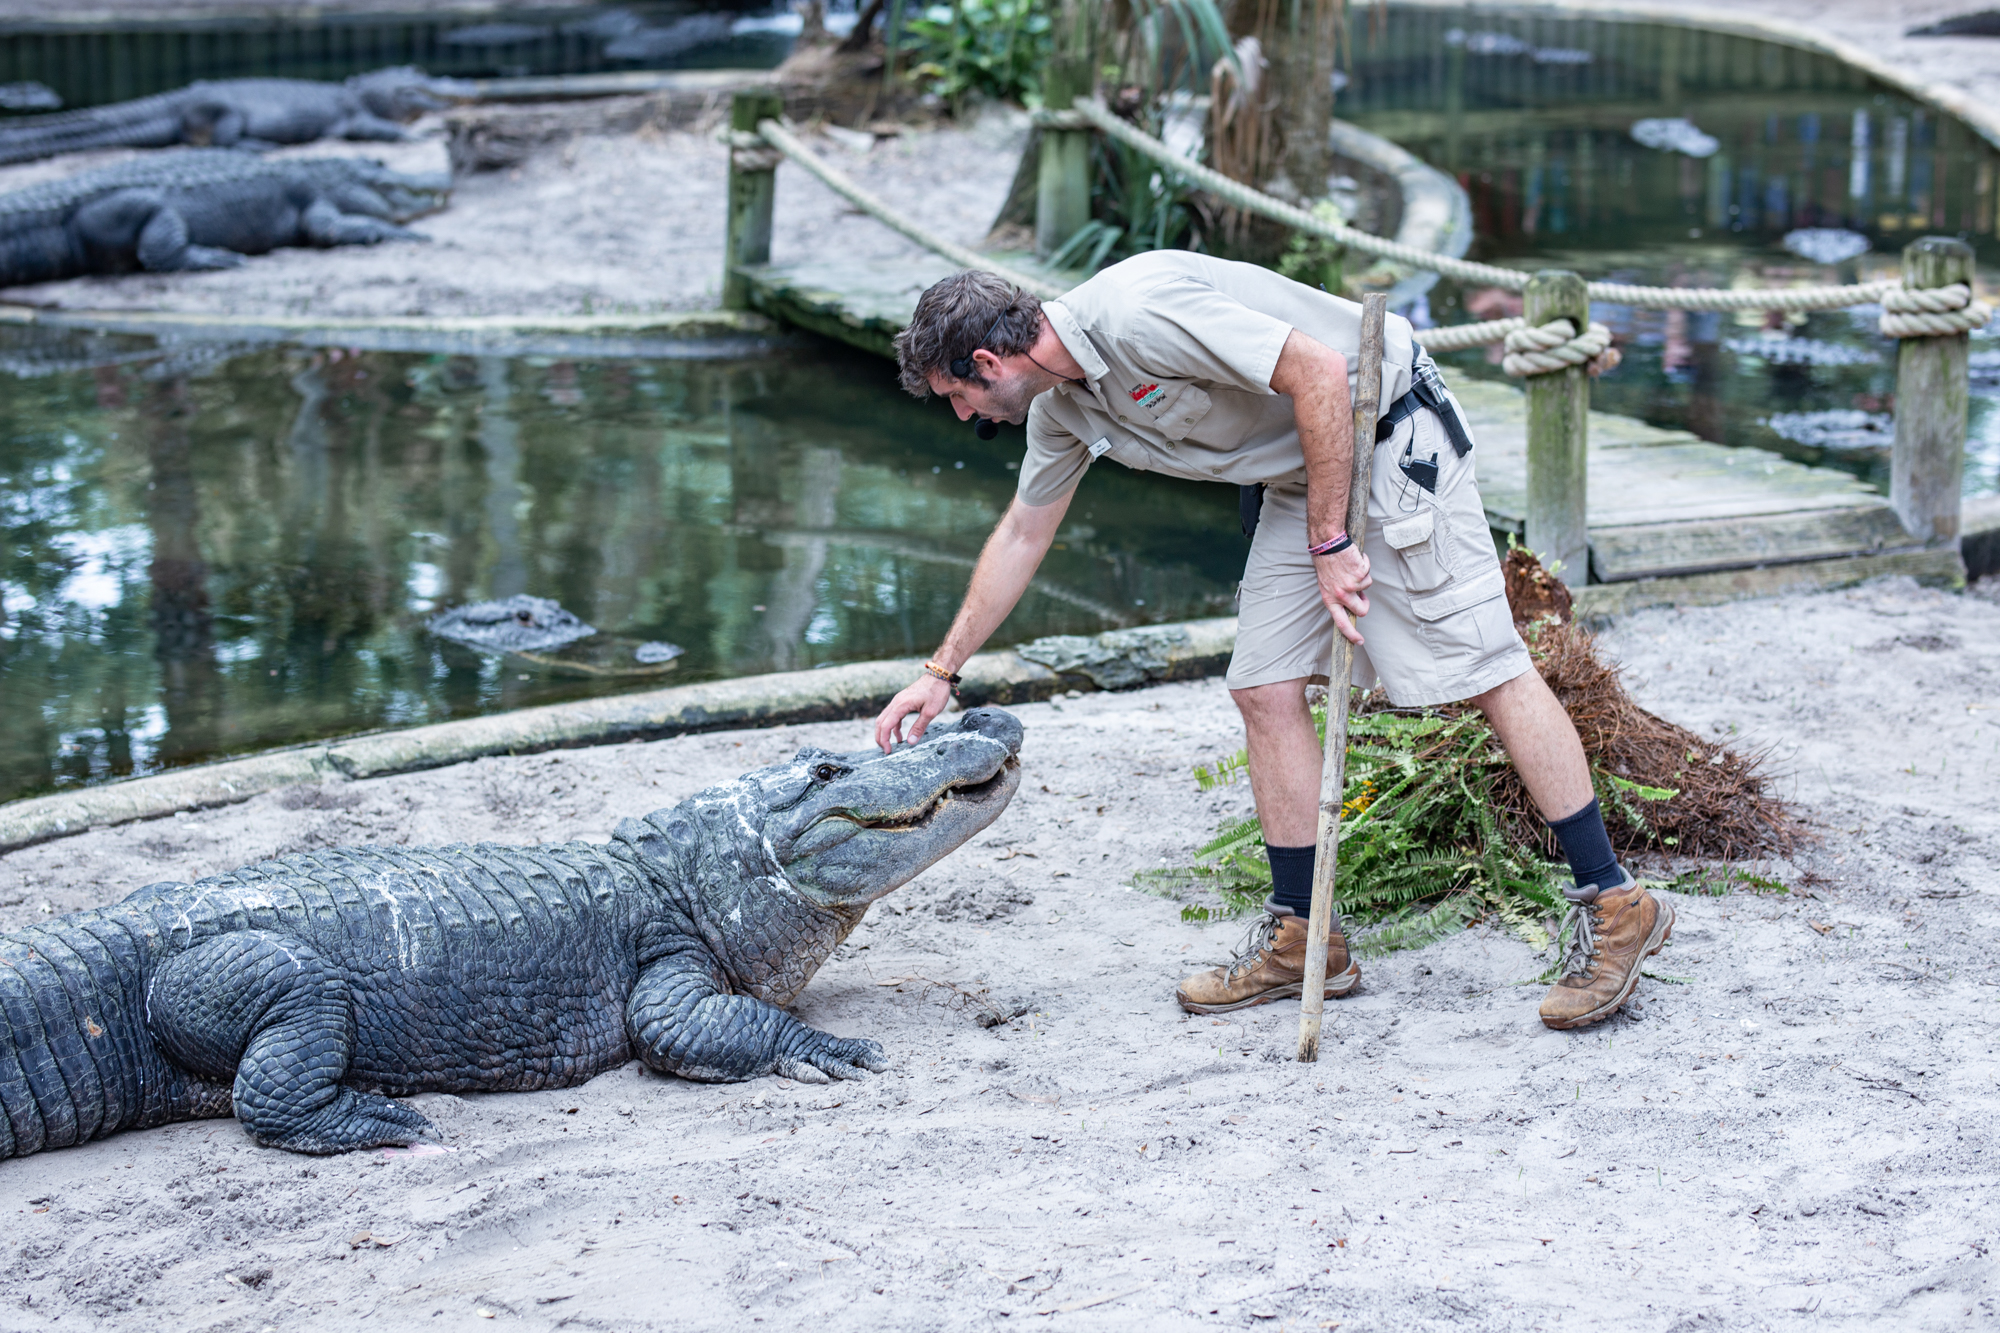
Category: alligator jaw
[968,791]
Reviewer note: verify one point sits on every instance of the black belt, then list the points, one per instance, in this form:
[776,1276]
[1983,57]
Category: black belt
[1426,393]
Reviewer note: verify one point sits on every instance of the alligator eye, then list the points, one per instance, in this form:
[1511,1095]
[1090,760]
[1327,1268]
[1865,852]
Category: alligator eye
[826,772]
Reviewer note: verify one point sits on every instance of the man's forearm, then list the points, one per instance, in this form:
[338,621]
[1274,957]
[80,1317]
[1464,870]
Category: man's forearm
[1316,378]
[1005,569]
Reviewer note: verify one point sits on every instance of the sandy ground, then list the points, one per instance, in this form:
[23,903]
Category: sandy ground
[1797,1130]
[604,223]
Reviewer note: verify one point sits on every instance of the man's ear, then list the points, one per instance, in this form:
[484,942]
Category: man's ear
[987,363]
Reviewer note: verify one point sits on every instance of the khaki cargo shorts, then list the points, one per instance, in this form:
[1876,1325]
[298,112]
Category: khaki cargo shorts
[1437,629]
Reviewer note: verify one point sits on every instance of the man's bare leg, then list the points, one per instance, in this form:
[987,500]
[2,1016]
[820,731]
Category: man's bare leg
[1542,742]
[1284,760]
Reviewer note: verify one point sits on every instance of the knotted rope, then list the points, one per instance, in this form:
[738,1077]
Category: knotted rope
[1932,312]
[1557,345]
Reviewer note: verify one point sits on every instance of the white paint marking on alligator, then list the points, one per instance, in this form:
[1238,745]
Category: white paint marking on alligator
[402,941]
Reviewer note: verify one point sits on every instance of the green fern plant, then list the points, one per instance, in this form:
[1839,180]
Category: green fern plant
[1422,854]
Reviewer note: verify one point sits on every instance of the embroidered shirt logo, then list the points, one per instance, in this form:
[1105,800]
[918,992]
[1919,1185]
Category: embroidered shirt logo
[1149,396]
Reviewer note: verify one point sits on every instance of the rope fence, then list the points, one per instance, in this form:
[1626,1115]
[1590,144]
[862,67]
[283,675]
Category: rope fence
[784,141]
[1528,351]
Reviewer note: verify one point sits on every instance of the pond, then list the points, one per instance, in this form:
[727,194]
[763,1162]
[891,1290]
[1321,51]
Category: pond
[205,557]
[86,60]
[1535,116]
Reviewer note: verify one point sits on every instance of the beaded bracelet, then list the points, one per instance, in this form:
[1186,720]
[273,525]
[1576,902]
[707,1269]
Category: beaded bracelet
[948,677]
[1333,545]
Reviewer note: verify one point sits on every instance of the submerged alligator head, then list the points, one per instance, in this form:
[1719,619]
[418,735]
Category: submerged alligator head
[783,862]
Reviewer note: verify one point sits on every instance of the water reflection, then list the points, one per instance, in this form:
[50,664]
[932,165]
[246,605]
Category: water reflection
[1774,140]
[209,557]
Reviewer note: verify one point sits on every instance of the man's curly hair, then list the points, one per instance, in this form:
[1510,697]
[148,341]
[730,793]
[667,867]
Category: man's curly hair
[956,317]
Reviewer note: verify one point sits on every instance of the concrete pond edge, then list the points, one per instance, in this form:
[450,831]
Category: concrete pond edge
[1117,659]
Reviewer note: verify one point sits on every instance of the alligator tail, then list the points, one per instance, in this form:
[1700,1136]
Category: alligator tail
[143,124]
[76,1061]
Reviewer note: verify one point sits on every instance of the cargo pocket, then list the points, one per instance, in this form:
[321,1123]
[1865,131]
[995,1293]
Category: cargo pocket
[1419,546]
[1459,627]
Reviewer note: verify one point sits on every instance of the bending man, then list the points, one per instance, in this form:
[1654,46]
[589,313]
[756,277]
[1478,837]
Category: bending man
[1197,367]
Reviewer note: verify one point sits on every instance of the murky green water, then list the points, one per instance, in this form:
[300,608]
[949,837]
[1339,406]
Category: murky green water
[1535,115]
[87,60]
[207,559]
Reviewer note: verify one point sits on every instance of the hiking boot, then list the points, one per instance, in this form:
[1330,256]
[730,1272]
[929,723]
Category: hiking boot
[1616,929]
[1271,965]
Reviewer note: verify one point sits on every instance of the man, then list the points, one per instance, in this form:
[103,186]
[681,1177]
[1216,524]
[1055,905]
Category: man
[1180,363]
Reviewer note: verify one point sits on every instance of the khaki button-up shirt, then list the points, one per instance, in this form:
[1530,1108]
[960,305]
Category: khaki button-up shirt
[1177,351]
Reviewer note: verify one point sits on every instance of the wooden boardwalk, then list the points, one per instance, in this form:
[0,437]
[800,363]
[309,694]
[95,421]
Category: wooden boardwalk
[1672,518]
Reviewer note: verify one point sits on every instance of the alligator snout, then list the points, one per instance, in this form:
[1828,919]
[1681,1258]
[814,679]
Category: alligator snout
[994,723]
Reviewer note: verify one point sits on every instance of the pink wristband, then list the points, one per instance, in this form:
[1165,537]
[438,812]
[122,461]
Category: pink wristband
[1333,545]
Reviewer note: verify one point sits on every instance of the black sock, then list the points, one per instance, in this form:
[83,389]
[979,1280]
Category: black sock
[1588,847]
[1291,877]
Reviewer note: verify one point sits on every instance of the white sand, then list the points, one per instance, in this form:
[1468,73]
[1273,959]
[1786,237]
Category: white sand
[1804,1124]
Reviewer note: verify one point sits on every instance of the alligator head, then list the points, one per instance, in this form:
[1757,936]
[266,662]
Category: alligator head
[779,864]
[403,93]
[851,827]
[364,185]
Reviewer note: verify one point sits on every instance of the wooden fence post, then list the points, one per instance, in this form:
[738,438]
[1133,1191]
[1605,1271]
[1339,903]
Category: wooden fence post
[1558,435]
[1062,196]
[1927,462]
[753,188]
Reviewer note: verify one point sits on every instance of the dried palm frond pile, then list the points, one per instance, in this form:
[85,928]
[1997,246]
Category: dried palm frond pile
[1438,831]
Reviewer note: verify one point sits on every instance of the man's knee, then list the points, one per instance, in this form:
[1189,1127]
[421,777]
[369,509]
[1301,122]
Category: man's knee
[1278,699]
[1529,683]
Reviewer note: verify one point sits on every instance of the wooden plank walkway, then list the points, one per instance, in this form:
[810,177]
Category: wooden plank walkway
[1673,519]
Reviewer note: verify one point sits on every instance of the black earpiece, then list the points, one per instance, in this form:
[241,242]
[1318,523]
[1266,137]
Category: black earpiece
[962,367]
[985,429]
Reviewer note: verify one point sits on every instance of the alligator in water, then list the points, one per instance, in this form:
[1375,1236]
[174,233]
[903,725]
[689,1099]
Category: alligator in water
[517,624]
[236,113]
[202,209]
[303,993]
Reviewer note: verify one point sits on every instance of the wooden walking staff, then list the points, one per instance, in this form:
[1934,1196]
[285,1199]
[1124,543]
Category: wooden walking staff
[1333,772]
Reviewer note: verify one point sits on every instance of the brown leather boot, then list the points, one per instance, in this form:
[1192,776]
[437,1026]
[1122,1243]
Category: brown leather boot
[1270,966]
[1617,929]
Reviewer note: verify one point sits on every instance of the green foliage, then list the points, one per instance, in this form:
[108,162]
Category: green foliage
[1314,260]
[1422,852]
[994,48]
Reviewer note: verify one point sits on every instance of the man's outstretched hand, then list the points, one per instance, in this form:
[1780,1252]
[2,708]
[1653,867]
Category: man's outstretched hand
[1343,585]
[926,699]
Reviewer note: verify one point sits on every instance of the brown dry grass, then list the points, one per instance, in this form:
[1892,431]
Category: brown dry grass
[1725,807]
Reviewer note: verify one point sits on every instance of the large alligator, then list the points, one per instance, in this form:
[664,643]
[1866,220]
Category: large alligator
[304,993]
[236,113]
[202,209]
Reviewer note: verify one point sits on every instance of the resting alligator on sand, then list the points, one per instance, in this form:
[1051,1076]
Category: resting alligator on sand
[203,209]
[303,993]
[236,113]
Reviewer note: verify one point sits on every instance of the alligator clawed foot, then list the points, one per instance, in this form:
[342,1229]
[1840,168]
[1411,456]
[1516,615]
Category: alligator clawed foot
[829,1058]
[354,1120]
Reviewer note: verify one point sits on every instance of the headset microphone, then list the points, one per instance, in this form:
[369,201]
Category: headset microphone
[985,429]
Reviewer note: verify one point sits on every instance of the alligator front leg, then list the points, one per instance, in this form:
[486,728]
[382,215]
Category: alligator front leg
[325,225]
[682,1022]
[279,1018]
